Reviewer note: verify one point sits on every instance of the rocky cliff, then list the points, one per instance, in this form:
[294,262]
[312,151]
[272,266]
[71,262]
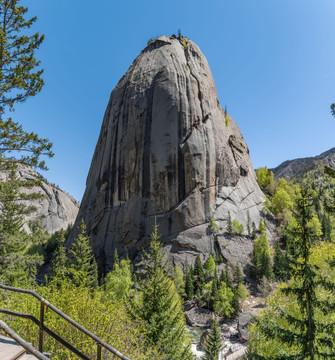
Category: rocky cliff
[56,210]
[167,151]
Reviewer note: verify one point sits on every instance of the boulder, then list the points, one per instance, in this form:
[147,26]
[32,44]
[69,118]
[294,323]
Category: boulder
[168,153]
[244,319]
[199,317]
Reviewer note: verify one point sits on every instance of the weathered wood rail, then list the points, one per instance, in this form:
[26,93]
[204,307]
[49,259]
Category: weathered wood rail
[40,323]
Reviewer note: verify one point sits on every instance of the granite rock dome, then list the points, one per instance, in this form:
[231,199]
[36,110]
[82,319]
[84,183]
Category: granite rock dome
[166,152]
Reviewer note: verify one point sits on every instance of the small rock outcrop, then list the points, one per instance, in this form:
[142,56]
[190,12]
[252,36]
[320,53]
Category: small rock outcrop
[168,152]
[56,210]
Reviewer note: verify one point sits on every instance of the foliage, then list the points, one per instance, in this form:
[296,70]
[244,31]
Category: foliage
[282,199]
[213,343]
[265,180]
[300,320]
[179,282]
[223,302]
[212,224]
[261,264]
[189,286]
[280,264]
[199,274]
[83,267]
[99,314]
[210,266]
[226,118]
[229,224]
[59,260]
[119,283]
[237,275]
[159,304]
[20,76]
[237,228]
[332,109]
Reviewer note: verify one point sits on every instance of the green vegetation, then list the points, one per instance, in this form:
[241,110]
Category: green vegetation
[265,180]
[83,267]
[159,304]
[300,319]
[92,309]
[237,228]
[213,343]
[226,118]
[261,263]
[212,224]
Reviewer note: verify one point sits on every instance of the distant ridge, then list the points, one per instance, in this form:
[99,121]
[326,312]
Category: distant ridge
[298,167]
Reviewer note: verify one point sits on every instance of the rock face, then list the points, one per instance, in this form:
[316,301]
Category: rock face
[298,167]
[56,211]
[166,151]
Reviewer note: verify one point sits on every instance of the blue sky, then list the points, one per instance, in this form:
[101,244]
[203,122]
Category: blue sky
[273,63]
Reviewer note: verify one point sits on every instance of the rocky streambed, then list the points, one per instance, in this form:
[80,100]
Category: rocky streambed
[234,332]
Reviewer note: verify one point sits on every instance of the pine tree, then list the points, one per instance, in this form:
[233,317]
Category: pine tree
[189,286]
[228,279]
[83,266]
[20,76]
[229,224]
[116,261]
[59,260]
[238,276]
[210,266]
[254,230]
[309,336]
[178,278]
[199,274]
[261,258]
[160,305]
[280,264]
[213,344]
[248,224]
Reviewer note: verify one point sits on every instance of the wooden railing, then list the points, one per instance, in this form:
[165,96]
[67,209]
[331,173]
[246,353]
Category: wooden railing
[40,323]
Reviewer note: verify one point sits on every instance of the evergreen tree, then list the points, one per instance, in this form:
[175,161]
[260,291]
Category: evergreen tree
[213,344]
[238,276]
[210,266]
[261,227]
[248,224]
[189,286]
[83,266]
[261,264]
[179,281]
[308,334]
[280,264]
[228,279]
[116,261]
[15,262]
[20,76]
[199,274]
[160,305]
[59,260]
[254,230]
[237,228]
[229,224]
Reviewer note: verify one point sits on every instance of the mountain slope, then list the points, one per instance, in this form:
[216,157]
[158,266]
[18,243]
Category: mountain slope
[299,167]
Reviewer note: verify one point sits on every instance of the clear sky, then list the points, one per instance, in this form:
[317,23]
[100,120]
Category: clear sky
[273,63]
